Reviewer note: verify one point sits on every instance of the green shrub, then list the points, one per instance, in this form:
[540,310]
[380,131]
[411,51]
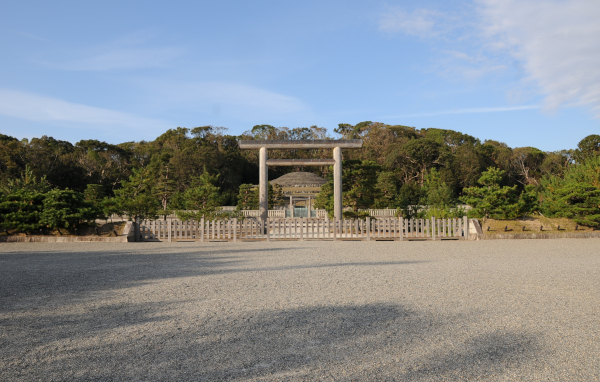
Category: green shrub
[576,196]
[20,210]
[362,215]
[445,212]
[247,197]
[491,200]
[66,209]
[135,198]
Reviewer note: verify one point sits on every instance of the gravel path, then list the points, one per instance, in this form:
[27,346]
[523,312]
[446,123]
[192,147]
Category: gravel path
[489,310]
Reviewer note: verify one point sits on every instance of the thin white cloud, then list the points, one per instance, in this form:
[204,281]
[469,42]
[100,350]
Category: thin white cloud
[34,107]
[228,97]
[557,41]
[460,57]
[421,22]
[548,45]
[474,110]
[133,51]
[455,64]
[248,97]
[31,36]
[123,58]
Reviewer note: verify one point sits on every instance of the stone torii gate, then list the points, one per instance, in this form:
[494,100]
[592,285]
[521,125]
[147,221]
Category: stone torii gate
[264,162]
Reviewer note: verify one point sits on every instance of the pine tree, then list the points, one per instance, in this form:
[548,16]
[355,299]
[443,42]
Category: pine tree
[28,182]
[436,193]
[135,198]
[325,198]
[203,197]
[576,196]
[359,185]
[387,183]
[248,197]
[66,209]
[276,196]
[165,187]
[408,199]
[21,202]
[20,210]
[491,200]
[359,180]
[94,193]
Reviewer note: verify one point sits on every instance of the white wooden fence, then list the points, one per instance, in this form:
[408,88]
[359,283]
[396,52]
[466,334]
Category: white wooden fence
[256,213]
[384,212]
[303,229]
[320,214]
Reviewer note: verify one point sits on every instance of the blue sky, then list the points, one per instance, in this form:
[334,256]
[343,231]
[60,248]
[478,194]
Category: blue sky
[523,72]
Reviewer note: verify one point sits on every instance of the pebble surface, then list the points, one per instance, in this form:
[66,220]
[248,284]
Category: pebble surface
[526,310]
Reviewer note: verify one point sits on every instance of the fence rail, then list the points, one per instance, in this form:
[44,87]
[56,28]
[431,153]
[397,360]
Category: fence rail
[302,229]
[256,213]
[281,213]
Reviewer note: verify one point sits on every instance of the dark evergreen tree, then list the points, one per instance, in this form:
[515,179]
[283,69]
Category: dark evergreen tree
[135,198]
[20,210]
[576,196]
[66,209]
[588,147]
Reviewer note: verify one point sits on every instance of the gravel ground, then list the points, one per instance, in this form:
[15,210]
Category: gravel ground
[488,310]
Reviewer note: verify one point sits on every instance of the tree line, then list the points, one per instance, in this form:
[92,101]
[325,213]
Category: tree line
[202,168]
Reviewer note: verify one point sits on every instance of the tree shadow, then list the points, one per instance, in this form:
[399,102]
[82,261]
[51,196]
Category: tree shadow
[39,274]
[26,279]
[480,357]
[179,340]
[356,342]
[41,327]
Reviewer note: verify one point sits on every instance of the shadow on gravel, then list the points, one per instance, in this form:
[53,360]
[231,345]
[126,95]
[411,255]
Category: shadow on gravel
[368,342]
[481,357]
[54,273]
[335,265]
[35,276]
[363,342]
[45,327]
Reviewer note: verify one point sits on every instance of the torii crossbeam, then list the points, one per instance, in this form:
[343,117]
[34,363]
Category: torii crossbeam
[336,145]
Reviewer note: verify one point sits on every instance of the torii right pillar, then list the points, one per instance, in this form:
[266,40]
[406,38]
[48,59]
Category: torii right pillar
[337,183]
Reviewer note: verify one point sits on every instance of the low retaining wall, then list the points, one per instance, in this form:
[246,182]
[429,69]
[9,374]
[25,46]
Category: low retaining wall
[127,236]
[62,239]
[540,235]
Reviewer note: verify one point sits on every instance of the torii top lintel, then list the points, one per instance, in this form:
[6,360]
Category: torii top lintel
[301,144]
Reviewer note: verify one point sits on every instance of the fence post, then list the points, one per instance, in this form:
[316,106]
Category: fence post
[268,224]
[234,230]
[335,229]
[368,228]
[433,228]
[401,228]
[202,229]
[302,228]
[169,229]
[466,227]
[137,229]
